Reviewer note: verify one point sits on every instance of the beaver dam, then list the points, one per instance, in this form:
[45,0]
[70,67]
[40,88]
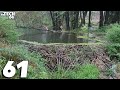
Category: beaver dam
[68,55]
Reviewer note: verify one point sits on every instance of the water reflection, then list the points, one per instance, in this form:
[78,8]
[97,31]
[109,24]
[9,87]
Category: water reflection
[43,36]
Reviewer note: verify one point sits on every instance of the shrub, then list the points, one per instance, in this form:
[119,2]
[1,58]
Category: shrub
[113,39]
[87,71]
[36,68]
[8,31]
[113,48]
[113,33]
[84,29]
[114,51]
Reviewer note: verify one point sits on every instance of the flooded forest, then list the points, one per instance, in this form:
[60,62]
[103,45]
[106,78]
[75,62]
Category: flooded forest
[60,44]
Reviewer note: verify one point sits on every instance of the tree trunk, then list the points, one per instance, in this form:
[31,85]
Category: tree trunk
[84,15]
[106,17]
[53,19]
[89,23]
[117,16]
[76,19]
[72,19]
[101,19]
[114,16]
[81,19]
[56,20]
[67,20]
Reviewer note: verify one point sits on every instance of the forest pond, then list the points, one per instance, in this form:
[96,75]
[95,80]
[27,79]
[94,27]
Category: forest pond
[43,36]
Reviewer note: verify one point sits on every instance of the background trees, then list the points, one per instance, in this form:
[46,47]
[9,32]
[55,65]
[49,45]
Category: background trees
[65,20]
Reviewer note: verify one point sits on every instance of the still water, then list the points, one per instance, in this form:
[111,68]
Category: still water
[43,36]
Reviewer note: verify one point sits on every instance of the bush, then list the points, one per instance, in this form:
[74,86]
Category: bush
[113,33]
[8,31]
[114,51]
[113,39]
[36,68]
[87,71]
[104,29]
[113,48]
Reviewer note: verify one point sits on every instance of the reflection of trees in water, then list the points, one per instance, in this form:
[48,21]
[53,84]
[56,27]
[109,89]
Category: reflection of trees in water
[43,38]
[63,37]
[80,40]
[68,37]
[50,37]
[56,37]
[53,37]
[72,37]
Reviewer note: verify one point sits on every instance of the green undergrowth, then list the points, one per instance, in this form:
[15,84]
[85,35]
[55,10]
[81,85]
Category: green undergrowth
[113,41]
[36,68]
[87,71]
[8,33]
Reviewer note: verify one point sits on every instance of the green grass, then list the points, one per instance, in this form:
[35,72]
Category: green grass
[87,71]
[36,68]
[8,31]
[2,65]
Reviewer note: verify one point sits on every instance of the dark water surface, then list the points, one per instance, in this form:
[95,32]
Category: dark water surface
[43,36]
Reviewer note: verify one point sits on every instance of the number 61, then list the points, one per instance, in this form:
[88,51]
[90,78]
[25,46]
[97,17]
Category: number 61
[9,70]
